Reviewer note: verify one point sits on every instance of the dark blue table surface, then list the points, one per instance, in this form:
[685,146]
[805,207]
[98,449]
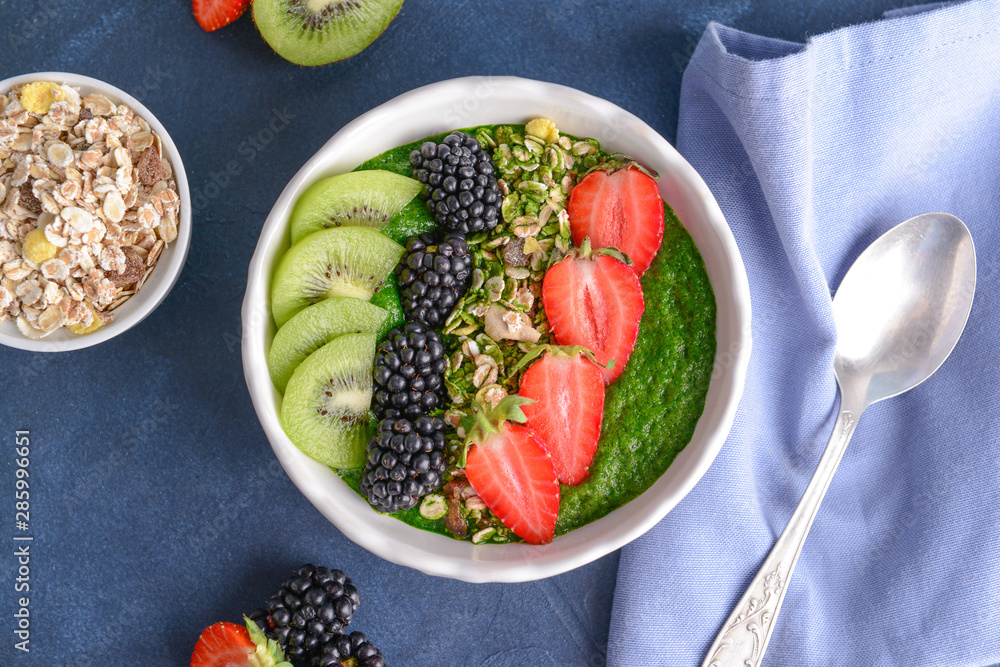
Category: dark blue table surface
[157,506]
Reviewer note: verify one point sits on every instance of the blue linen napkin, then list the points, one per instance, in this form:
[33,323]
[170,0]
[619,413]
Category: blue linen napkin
[812,152]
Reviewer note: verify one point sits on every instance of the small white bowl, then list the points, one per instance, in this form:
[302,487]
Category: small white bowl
[171,261]
[469,102]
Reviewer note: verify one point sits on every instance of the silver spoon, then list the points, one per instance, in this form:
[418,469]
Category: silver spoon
[899,312]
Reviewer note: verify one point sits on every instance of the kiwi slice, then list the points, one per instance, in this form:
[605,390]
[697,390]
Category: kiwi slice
[314,327]
[362,198]
[327,400]
[316,32]
[340,261]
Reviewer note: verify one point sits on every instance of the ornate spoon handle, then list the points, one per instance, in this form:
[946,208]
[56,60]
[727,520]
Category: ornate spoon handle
[745,634]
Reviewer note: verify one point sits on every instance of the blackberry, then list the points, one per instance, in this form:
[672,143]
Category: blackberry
[432,277]
[409,373]
[405,463]
[462,191]
[309,608]
[338,650]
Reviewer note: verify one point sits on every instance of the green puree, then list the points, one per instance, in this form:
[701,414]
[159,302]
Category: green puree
[651,411]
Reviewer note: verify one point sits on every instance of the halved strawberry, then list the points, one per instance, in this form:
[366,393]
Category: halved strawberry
[568,389]
[595,300]
[213,14]
[619,206]
[223,645]
[230,645]
[512,472]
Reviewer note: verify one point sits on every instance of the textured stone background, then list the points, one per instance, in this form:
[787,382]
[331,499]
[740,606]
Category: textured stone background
[157,505]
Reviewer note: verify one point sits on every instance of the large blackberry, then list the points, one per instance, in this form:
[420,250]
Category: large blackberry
[409,373]
[307,610]
[462,192]
[339,649]
[432,277]
[405,463]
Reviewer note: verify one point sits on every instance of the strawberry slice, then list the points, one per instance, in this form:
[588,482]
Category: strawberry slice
[595,300]
[619,206]
[512,472]
[231,645]
[568,389]
[223,645]
[213,14]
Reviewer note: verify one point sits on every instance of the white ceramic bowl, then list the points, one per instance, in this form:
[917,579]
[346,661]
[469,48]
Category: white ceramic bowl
[492,100]
[171,261]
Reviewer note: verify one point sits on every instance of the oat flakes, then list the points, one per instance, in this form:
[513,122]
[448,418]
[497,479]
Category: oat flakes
[87,204]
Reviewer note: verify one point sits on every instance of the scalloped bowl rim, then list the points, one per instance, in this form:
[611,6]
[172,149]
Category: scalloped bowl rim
[172,259]
[468,102]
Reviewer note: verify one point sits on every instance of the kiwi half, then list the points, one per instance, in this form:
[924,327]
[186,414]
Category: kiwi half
[316,32]
[314,327]
[341,261]
[359,198]
[325,409]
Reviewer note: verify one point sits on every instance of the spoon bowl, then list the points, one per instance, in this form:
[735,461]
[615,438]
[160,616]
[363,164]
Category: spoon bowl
[902,306]
[899,312]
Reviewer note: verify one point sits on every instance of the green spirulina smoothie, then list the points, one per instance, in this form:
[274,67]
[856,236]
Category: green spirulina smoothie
[651,411]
